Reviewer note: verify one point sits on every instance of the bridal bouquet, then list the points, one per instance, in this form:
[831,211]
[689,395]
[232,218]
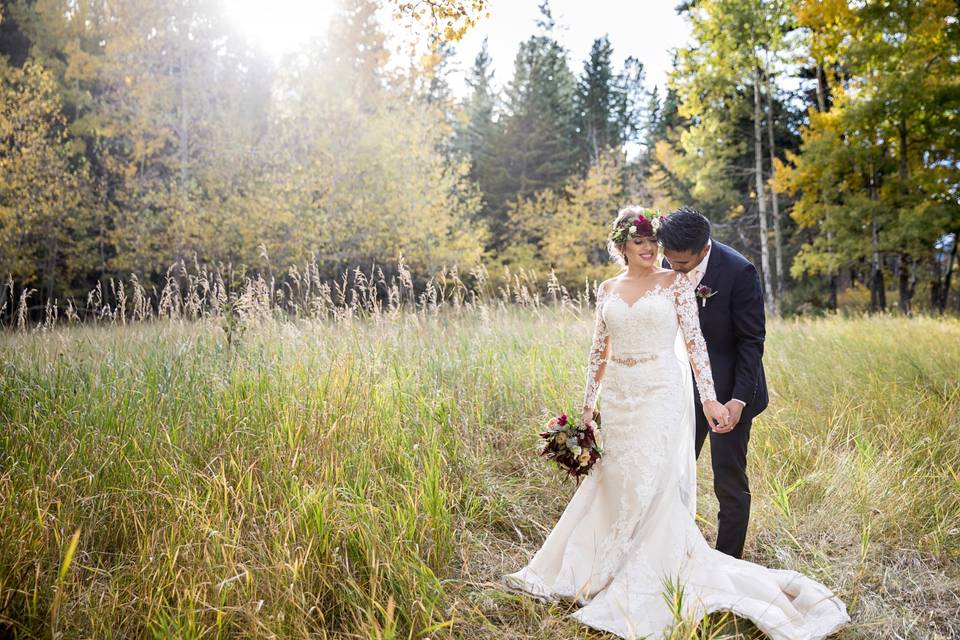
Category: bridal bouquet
[574,447]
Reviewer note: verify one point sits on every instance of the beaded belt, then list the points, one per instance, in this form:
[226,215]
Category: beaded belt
[631,361]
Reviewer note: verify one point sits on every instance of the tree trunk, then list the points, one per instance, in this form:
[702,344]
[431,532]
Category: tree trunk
[904,165]
[906,288]
[908,281]
[4,303]
[761,200]
[594,147]
[958,304]
[101,242]
[935,285]
[957,238]
[945,291]
[832,296]
[832,277]
[821,89]
[183,135]
[51,265]
[777,238]
[878,295]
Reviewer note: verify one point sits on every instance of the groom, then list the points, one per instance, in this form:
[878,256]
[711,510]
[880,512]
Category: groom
[730,303]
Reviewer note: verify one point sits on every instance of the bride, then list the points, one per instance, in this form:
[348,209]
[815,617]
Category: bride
[627,547]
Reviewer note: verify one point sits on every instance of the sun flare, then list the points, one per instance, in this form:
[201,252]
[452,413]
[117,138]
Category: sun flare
[280,26]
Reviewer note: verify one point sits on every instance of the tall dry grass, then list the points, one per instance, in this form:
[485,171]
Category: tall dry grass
[370,473]
[238,299]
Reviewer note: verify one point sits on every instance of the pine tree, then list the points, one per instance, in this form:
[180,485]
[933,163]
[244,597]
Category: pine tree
[632,101]
[664,186]
[437,89]
[535,145]
[597,104]
[476,138]
[356,44]
[610,107]
[479,106]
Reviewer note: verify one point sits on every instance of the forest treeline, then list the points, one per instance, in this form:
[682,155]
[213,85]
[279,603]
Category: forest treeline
[138,139]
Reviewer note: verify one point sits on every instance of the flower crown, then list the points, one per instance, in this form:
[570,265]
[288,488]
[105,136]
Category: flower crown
[647,223]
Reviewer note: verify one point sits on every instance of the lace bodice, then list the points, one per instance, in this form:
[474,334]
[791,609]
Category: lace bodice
[629,332]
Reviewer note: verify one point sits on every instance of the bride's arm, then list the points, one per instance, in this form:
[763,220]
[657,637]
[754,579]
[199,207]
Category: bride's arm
[597,357]
[686,303]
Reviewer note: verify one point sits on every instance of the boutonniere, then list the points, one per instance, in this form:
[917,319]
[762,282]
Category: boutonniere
[703,292]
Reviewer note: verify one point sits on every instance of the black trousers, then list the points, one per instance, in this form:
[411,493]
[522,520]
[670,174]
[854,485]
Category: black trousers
[728,457]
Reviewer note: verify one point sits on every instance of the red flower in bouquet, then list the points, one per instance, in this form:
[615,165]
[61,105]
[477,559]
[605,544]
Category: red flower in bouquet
[575,447]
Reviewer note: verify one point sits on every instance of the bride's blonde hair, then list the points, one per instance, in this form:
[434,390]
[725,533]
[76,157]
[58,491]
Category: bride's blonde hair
[615,249]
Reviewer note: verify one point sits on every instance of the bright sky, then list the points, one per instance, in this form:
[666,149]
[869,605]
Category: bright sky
[646,29]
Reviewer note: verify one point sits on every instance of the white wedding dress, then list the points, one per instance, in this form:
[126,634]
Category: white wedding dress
[629,529]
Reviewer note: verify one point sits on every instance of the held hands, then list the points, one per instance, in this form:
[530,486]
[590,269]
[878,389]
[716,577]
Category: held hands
[736,410]
[718,416]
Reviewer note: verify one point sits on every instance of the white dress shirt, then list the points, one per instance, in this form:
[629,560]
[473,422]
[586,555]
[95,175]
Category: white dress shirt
[696,276]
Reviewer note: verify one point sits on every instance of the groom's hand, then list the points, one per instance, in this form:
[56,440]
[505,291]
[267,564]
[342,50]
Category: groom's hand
[717,416]
[735,410]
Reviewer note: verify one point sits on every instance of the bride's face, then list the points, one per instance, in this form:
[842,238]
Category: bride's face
[642,251]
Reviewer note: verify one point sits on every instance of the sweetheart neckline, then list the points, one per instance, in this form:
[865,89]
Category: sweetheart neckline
[655,289]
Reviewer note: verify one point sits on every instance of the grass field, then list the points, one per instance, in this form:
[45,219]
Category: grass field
[373,479]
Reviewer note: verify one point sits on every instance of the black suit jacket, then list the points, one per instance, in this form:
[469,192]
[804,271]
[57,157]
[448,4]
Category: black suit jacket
[734,327]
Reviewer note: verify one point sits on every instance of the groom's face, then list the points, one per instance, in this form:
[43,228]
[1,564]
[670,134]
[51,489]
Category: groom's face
[685,261]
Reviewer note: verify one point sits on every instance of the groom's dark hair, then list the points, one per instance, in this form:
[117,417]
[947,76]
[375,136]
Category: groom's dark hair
[685,229]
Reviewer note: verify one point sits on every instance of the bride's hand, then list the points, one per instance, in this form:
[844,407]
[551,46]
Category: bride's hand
[587,418]
[718,416]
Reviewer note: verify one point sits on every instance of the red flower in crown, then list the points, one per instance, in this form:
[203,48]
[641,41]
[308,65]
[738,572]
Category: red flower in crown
[644,227]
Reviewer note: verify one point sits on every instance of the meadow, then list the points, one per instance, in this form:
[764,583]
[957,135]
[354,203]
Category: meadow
[373,477]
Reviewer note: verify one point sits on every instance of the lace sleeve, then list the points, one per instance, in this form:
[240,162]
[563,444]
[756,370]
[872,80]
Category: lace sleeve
[685,300]
[597,357]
